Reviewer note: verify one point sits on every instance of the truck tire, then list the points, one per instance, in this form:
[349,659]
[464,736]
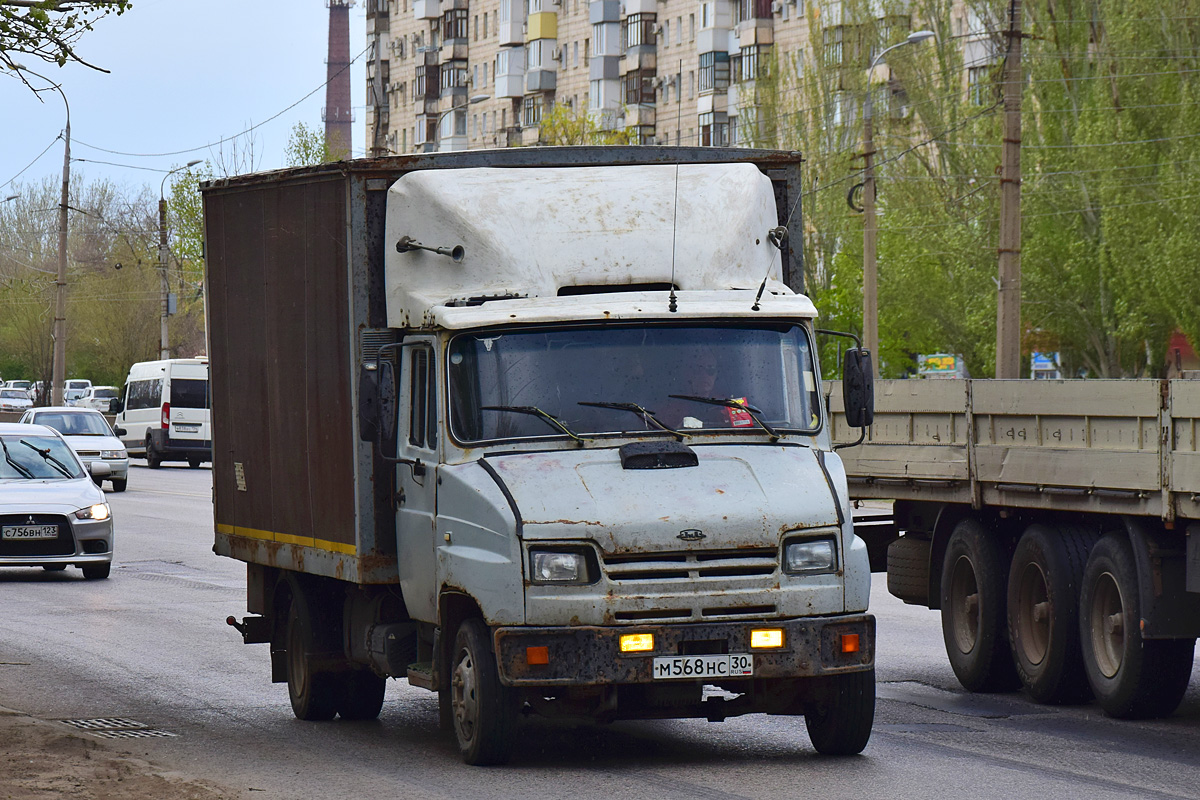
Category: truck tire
[973,599]
[839,721]
[485,711]
[314,693]
[1043,612]
[908,569]
[362,695]
[1132,677]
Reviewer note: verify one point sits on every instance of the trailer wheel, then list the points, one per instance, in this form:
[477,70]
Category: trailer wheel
[485,712]
[1043,612]
[1132,677]
[974,584]
[314,693]
[362,695]
[839,721]
[908,569]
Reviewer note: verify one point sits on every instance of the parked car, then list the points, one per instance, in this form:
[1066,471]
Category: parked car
[165,411]
[14,400]
[89,435]
[26,385]
[52,514]
[74,389]
[98,398]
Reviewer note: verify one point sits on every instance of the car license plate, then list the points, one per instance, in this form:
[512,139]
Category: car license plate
[29,532]
[726,666]
[186,428]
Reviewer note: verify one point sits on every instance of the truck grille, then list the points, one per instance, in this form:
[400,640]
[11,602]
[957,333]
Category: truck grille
[681,566]
[62,545]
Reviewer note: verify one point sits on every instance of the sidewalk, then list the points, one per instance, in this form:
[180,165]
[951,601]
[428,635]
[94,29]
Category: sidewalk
[40,760]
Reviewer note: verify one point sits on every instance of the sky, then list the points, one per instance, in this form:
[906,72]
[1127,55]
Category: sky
[184,74]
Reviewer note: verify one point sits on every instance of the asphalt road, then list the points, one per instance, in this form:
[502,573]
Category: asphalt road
[150,645]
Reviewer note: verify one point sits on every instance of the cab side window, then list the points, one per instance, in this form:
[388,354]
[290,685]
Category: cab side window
[422,388]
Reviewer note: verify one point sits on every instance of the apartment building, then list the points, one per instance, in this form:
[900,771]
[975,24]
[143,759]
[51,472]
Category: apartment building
[468,74]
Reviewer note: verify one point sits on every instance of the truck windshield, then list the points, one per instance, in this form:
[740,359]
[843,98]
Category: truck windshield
[566,371]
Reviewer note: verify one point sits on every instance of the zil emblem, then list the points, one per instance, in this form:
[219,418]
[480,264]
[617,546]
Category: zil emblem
[690,535]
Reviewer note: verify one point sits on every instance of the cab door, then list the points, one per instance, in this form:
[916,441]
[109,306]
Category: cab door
[416,478]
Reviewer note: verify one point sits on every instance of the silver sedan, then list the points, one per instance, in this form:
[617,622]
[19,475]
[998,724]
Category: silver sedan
[52,514]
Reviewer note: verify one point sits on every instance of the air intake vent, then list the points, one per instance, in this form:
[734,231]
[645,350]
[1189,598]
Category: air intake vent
[657,455]
[371,340]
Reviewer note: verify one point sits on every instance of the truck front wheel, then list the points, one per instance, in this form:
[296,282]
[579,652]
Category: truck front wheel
[314,693]
[485,711]
[974,587]
[362,695]
[839,720]
[1132,677]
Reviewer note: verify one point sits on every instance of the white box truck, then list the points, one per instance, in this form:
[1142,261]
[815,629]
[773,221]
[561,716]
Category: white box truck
[539,430]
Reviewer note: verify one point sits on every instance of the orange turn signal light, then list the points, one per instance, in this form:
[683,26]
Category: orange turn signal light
[849,642]
[537,655]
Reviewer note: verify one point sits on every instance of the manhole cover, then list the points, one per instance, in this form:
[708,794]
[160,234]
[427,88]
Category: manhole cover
[116,728]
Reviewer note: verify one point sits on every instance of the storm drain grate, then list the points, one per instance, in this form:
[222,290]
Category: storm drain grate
[116,728]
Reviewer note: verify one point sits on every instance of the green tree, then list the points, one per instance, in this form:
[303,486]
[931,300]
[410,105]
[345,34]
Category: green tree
[307,146]
[564,125]
[48,29]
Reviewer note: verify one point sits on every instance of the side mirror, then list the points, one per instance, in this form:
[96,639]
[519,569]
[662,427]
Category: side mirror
[115,406]
[388,407]
[120,431]
[99,469]
[368,404]
[858,388]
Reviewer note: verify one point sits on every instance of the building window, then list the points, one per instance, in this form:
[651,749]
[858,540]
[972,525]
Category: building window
[454,75]
[754,9]
[749,63]
[485,25]
[679,30]
[707,14]
[691,27]
[576,59]
[714,130]
[454,24]
[638,29]
[639,87]
[980,89]
[484,84]
[532,108]
[714,71]
[666,33]
[425,85]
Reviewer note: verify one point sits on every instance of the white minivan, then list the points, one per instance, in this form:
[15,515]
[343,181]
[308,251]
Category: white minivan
[164,410]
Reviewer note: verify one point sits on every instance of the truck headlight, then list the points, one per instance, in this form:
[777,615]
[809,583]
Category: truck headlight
[809,556]
[560,566]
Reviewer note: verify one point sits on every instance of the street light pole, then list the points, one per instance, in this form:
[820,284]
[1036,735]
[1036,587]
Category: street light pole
[58,367]
[870,283]
[164,348]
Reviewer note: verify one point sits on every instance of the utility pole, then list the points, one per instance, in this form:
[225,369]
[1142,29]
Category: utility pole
[59,369]
[1008,301]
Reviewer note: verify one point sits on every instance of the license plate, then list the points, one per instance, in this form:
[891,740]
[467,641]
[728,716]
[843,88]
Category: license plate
[29,532]
[186,428]
[727,666]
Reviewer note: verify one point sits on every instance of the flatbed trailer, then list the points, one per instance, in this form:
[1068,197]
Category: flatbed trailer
[1055,524]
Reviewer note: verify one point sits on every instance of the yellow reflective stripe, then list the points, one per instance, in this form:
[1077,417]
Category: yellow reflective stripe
[271,536]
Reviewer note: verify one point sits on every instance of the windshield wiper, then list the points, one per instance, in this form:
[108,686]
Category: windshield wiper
[545,416]
[646,415]
[737,405]
[19,467]
[49,459]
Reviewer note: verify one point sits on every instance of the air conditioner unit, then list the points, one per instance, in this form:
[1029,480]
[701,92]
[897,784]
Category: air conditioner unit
[556,54]
[776,7]
[658,30]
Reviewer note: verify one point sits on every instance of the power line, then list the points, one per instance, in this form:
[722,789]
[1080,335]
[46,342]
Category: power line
[31,163]
[211,145]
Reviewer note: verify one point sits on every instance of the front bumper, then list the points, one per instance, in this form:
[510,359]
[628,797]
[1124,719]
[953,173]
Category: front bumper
[588,655]
[79,542]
